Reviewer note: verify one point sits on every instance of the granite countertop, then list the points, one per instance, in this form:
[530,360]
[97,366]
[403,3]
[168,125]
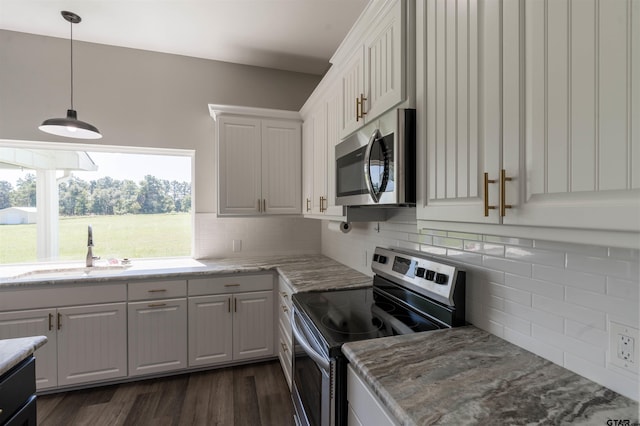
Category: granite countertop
[467,376]
[312,272]
[13,351]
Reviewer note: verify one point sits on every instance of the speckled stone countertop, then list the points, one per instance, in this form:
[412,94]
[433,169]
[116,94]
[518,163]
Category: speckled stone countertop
[303,272]
[13,351]
[466,376]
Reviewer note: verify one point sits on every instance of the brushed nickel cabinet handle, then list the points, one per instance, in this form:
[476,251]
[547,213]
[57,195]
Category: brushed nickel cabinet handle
[487,181]
[284,347]
[308,204]
[264,205]
[156,305]
[259,206]
[284,308]
[357,109]
[235,305]
[50,322]
[229,305]
[59,320]
[158,290]
[284,295]
[232,285]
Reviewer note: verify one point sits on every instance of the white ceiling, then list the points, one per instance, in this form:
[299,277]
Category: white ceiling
[296,35]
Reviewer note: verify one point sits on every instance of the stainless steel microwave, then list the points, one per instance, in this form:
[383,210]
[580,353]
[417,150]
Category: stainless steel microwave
[376,166]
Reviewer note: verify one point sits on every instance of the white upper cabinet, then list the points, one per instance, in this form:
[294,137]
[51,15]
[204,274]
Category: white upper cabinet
[581,129]
[538,97]
[373,77]
[259,161]
[320,137]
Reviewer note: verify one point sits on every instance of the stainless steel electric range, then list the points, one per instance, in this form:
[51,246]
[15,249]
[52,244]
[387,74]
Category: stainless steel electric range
[411,293]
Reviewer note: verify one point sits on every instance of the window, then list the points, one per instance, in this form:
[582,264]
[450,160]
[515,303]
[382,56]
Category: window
[137,200]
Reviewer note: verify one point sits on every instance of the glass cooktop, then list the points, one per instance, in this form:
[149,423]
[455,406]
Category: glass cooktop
[341,316]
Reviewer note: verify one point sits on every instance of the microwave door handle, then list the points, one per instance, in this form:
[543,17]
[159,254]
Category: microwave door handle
[302,341]
[367,166]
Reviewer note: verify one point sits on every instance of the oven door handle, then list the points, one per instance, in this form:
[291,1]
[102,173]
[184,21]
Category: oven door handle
[302,341]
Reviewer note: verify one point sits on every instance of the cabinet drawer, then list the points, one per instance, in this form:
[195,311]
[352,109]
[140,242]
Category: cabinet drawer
[16,387]
[284,354]
[157,290]
[364,404]
[59,295]
[285,291]
[230,284]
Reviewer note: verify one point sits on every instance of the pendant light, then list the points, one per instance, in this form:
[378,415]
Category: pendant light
[70,126]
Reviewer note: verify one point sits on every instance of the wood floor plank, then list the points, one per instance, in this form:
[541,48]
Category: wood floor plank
[255,394]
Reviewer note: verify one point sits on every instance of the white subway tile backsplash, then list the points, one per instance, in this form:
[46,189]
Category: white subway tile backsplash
[624,289]
[570,247]
[438,251]
[593,336]
[508,240]
[506,265]
[464,236]
[590,317]
[546,319]
[553,299]
[535,256]
[508,293]
[544,288]
[453,243]
[541,348]
[484,248]
[625,254]
[593,354]
[464,257]
[625,269]
[597,302]
[591,282]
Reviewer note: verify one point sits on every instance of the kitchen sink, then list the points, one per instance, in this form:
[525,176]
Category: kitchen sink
[71,271]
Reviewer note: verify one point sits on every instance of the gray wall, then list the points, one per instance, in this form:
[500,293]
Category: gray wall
[134,97]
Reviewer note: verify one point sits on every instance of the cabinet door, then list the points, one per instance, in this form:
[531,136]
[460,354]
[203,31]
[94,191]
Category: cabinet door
[210,330]
[385,63]
[462,108]
[281,166]
[581,165]
[307,165]
[37,322]
[239,162]
[352,82]
[157,336]
[333,137]
[319,118]
[253,325]
[92,343]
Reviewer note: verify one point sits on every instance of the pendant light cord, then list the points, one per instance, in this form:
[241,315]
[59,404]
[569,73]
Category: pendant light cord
[71,43]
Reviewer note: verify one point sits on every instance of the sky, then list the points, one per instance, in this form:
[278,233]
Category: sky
[125,166]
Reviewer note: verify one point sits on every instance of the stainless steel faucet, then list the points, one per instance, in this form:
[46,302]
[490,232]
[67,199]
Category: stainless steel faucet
[90,257]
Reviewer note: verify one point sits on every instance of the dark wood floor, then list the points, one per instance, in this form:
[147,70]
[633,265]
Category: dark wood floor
[255,394]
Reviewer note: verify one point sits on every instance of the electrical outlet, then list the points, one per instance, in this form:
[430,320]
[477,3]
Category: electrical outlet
[237,246]
[623,346]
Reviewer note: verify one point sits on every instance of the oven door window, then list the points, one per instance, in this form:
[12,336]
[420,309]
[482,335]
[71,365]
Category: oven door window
[308,379]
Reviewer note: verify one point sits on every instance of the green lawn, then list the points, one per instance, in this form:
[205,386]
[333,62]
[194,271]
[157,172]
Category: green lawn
[132,236]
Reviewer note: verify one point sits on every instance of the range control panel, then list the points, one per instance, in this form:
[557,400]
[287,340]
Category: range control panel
[425,275]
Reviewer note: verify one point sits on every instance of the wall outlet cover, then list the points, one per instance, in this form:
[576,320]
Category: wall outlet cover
[623,346]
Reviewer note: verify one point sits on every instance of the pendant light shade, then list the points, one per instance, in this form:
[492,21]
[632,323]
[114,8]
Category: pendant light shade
[70,126]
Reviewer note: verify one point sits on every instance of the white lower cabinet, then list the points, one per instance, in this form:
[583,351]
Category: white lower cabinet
[230,319]
[85,343]
[364,407]
[157,327]
[210,330]
[285,339]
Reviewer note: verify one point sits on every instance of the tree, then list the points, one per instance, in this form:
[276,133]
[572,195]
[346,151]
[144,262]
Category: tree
[5,194]
[25,193]
[152,196]
[74,197]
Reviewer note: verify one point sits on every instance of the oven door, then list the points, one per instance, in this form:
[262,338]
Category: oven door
[312,389]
